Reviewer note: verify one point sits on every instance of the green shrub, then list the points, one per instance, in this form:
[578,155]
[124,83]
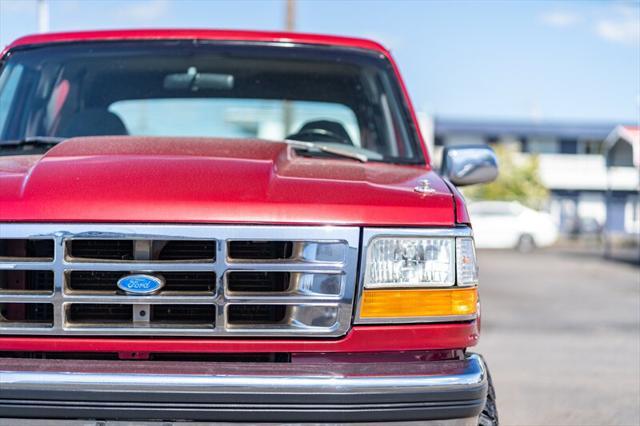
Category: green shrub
[518,180]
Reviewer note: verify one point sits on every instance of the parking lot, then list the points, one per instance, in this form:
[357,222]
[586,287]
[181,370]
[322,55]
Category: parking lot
[561,333]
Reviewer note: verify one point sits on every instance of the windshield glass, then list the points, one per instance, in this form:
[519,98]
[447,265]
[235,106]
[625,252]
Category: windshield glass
[339,97]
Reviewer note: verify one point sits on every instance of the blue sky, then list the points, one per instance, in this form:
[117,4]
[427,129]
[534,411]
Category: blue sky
[528,60]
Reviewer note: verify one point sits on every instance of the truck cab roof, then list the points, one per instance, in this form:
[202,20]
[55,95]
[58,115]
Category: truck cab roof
[200,34]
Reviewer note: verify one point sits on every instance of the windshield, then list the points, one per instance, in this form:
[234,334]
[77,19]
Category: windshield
[345,98]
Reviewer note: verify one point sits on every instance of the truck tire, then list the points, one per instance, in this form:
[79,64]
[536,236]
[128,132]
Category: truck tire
[489,415]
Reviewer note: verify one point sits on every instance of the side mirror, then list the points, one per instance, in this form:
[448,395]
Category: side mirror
[470,164]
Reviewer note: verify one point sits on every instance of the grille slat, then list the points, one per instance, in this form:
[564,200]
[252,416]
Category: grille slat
[106,281]
[99,314]
[258,281]
[26,314]
[183,314]
[249,281]
[188,250]
[26,249]
[26,281]
[160,250]
[102,249]
[260,250]
[256,314]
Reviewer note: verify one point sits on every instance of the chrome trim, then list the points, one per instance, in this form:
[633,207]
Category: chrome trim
[469,164]
[458,231]
[414,320]
[370,234]
[295,290]
[333,378]
[424,187]
[469,421]
[305,237]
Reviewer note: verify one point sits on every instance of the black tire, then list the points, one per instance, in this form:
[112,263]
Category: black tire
[489,415]
[526,244]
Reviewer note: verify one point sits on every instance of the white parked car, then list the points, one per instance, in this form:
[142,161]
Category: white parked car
[509,224]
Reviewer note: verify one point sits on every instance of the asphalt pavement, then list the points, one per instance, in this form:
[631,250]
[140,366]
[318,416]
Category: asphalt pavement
[561,334]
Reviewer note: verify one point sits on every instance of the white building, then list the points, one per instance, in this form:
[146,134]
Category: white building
[622,153]
[572,164]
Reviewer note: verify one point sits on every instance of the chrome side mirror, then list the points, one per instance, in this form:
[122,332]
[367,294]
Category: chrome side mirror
[469,164]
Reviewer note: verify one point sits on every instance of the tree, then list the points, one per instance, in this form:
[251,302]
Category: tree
[518,180]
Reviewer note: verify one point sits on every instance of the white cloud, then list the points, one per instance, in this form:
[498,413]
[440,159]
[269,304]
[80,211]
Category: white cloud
[147,11]
[560,19]
[624,27]
[619,23]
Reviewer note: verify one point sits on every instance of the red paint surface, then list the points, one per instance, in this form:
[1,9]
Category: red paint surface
[190,180]
[461,212]
[197,34]
[359,339]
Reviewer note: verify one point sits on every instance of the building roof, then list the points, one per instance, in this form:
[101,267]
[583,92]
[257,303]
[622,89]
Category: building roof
[629,134]
[203,34]
[495,128]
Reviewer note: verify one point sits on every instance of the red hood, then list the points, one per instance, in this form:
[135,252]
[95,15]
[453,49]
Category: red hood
[127,179]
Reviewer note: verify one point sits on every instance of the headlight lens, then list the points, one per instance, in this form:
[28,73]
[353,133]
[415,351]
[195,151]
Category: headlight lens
[410,262]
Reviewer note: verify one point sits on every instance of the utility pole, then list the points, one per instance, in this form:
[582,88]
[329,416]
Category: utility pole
[43,16]
[290,20]
[289,25]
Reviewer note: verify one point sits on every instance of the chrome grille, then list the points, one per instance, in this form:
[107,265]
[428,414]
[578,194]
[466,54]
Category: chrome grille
[60,279]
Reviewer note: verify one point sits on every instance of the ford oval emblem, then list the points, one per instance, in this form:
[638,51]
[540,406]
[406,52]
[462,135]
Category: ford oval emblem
[140,284]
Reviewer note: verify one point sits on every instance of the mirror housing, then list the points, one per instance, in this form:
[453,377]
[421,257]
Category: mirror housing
[469,164]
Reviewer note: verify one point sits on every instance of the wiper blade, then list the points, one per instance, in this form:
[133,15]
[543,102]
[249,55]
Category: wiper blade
[328,149]
[33,140]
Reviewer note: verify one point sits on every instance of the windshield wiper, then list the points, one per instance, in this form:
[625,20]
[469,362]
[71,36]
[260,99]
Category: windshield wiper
[33,140]
[309,146]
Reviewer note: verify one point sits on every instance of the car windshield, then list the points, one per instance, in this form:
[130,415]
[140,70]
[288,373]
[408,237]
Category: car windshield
[348,99]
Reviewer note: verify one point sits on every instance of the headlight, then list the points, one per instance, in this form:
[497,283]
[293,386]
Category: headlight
[410,262]
[418,278]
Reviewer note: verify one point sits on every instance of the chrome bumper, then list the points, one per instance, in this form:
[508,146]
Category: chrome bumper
[242,392]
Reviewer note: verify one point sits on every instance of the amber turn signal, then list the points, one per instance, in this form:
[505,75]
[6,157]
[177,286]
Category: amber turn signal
[407,303]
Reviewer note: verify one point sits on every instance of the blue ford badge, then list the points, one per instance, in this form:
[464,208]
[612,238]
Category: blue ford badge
[140,284]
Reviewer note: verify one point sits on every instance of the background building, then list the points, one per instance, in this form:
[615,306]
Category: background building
[572,165]
[622,153]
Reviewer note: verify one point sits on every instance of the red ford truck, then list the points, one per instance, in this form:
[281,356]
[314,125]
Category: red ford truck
[243,227]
